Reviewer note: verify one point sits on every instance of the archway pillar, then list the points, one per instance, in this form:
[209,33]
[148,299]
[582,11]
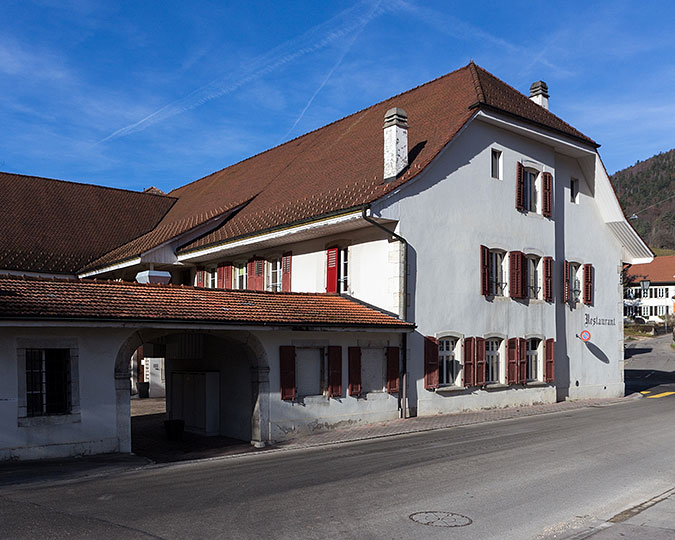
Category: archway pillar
[260,421]
[123,404]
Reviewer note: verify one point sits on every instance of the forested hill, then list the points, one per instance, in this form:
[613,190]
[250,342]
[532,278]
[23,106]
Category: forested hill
[649,183]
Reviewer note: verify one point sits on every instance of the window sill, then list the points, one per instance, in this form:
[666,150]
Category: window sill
[496,386]
[536,384]
[450,389]
[49,420]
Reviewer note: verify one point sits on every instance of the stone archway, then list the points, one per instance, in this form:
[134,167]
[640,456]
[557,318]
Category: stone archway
[238,356]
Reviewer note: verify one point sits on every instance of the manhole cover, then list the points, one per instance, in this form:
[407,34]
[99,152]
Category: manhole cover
[441,519]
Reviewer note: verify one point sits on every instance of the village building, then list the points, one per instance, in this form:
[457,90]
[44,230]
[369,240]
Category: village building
[437,252]
[650,291]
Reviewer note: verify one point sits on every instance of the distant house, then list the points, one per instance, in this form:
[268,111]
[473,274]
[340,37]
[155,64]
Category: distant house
[657,299]
[437,252]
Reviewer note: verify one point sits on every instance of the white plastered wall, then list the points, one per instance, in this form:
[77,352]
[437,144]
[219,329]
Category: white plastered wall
[94,424]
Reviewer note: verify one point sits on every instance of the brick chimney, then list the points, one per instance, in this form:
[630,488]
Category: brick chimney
[539,93]
[395,143]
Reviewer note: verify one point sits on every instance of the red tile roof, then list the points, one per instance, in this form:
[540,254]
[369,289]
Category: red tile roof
[91,300]
[54,226]
[660,270]
[338,166]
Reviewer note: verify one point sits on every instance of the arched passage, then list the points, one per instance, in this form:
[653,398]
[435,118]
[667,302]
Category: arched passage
[216,381]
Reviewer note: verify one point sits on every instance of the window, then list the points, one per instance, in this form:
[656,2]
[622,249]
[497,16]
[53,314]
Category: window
[532,277]
[492,360]
[532,359]
[274,275]
[373,367]
[210,278]
[309,371]
[448,363]
[574,190]
[645,311]
[496,164]
[48,382]
[343,270]
[575,282]
[530,192]
[496,273]
[240,276]
[662,310]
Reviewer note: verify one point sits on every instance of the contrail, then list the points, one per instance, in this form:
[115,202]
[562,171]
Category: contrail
[365,21]
[318,37]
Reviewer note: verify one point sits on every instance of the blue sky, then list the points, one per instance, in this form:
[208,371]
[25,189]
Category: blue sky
[133,94]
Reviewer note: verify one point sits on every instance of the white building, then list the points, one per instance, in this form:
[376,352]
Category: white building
[655,301]
[461,207]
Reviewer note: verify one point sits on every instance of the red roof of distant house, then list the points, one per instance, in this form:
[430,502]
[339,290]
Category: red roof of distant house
[58,227]
[91,300]
[660,270]
[339,166]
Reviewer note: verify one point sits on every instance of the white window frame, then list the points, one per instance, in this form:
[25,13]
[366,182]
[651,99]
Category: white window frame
[534,358]
[343,270]
[492,353]
[532,190]
[574,190]
[496,272]
[449,360]
[533,276]
[496,164]
[575,281]
[240,274]
[210,278]
[273,274]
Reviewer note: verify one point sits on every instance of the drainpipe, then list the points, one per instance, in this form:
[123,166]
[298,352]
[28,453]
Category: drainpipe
[403,305]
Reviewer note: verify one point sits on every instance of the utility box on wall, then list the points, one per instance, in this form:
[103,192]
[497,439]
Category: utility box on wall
[195,399]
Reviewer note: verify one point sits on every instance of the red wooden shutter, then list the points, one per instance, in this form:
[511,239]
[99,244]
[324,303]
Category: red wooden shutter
[547,195]
[430,363]
[334,371]
[331,270]
[354,371]
[224,273]
[588,284]
[549,356]
[522,360]
[287,372]
[566,283]
[520,187]
[200,276]
[512,361]
[392,369]
[468,369]
[548,279]
[286,272]
[250,275]
[516,274]
[484,271]
[479,355]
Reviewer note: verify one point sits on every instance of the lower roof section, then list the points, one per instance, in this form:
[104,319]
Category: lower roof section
[39,299]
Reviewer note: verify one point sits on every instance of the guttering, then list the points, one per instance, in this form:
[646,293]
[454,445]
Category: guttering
[402,307]
[118,266]
[350,215]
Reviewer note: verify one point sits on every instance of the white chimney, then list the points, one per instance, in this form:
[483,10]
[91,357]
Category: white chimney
[395,143]
[539,93]
[153,276]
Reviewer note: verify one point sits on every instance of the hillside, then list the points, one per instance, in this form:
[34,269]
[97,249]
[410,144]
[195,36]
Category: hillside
[648,183]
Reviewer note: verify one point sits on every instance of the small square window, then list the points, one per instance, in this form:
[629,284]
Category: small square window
[496,166]
[574,190]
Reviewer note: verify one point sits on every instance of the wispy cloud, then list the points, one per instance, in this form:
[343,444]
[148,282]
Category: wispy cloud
[319,37]
[344,52]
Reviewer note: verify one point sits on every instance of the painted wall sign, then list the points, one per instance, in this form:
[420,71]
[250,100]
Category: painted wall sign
[598,321]
[585,335]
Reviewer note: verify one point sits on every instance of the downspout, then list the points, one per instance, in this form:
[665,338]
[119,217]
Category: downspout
[402,307]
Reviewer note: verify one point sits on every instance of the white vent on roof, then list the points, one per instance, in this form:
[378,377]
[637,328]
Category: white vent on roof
[153,276]
[395,143]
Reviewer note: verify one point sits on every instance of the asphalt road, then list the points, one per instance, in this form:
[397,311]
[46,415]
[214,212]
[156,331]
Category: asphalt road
[515,479]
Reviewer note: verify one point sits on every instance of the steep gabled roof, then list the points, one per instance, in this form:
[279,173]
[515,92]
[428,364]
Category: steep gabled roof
[53,226]
[116,301]
[660,270]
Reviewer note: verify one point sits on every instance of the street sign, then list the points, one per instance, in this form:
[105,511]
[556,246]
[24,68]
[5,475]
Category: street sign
[585,335]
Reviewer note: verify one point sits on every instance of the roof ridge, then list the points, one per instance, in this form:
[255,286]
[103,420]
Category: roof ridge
[98,186]
[476,81]
[324,126]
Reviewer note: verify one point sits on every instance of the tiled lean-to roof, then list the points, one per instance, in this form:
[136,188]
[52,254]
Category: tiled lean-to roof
[39,299]
[339,166]
[660,270]
[54,226]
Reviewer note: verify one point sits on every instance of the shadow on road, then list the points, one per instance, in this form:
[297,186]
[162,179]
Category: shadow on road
[638,380]
[634,351]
